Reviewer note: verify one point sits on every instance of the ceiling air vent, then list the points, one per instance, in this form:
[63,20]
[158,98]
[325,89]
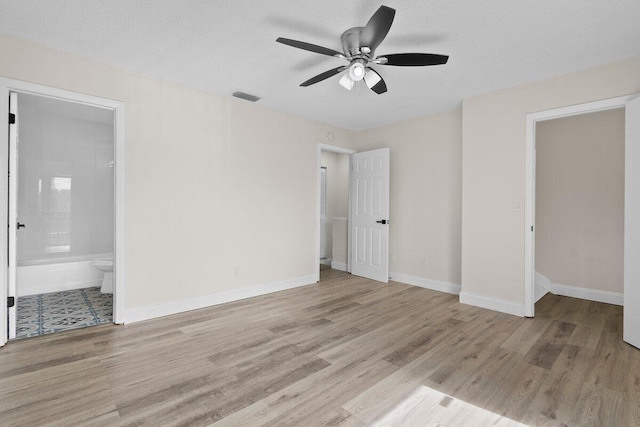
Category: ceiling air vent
[246,96]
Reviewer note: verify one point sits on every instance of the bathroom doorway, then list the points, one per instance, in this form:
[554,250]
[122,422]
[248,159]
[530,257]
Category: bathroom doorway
[65,215]
[65,212]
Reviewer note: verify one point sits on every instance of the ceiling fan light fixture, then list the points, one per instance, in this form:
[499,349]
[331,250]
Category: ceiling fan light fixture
[372,78]
[357,71]
[347,82]
[359,45]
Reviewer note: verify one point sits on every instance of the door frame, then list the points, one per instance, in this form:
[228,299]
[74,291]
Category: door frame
[10,85]
[530,181]
[340,150]
[323,212]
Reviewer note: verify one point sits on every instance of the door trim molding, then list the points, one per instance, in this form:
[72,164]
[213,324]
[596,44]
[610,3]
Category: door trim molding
[340,150]
[11,85]
[529,211]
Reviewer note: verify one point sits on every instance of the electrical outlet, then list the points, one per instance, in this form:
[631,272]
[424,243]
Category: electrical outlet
[394,258]
[423,263]
[236,271]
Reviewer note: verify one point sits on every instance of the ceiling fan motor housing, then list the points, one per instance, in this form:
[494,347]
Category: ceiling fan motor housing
[351,44]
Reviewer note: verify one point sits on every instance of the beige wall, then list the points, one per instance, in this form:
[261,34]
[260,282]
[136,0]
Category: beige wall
[340,243]
[209,180]
[209,185]
[493,163]
[425,193]
[580,200]
[337,165]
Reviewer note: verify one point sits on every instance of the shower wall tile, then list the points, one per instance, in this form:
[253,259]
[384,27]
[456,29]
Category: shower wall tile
[65,186]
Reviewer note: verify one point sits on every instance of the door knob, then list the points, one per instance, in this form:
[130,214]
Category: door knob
[382,221]
[20,226]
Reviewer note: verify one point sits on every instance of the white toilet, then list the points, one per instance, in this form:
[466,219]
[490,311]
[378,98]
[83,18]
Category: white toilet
[106,266]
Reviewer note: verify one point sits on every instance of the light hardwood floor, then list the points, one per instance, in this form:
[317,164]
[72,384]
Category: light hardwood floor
[347,351]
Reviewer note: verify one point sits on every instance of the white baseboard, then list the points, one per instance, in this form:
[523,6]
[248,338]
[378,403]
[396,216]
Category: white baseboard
[494,304]
[338,266]
[576,291]
[541,286]
[325,261]
[137,314]
[588,294]
[436,285]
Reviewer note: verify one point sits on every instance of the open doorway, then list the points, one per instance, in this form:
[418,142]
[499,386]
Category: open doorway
[367,223]
[333,203]
[631,229]
[64,201]
[579,202]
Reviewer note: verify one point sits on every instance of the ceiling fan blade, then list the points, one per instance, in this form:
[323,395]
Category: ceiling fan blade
[377,28]
[323,76]
[310,47]
[413,59]
[375,82]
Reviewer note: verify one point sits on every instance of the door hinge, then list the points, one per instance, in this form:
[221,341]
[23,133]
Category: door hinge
[11,301]
[532,228]
[12,118]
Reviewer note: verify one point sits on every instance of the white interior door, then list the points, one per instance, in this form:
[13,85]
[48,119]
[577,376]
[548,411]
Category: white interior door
[370,214]
[631,323]
[13,211]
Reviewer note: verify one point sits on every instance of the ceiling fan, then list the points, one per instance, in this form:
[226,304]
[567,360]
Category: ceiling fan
[359,45]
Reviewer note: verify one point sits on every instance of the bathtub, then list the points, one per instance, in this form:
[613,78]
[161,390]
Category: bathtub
[40,276]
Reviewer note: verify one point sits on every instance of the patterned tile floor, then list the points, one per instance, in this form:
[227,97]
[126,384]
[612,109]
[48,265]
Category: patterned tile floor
[61,311]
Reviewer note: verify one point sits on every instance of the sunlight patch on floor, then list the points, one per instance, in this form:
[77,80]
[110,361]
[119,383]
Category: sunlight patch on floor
[428,407]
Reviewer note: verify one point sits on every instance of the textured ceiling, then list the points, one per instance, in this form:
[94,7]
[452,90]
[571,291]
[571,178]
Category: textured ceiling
[222,47]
